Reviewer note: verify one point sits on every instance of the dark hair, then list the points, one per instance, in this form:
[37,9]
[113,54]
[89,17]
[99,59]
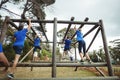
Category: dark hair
[21,25]
[68,37]
[80,29]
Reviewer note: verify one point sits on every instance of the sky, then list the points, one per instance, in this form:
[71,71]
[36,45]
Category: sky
[95,10]
[107,10]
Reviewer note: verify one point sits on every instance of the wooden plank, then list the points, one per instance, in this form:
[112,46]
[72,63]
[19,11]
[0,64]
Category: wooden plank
[70,78]
[58,21]
[60,64]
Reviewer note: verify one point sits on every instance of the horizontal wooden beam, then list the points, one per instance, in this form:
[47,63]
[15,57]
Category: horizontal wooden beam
[58,21]
[70,78]
[56,61]
[86,64]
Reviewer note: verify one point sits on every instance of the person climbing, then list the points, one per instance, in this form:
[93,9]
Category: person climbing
[81,45]
[19,37]
[3,60]
[37,46]
[67,44]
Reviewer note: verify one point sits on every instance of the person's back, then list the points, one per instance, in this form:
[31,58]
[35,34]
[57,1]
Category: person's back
[37,41]
[20,37]
[79,35]
[67,43]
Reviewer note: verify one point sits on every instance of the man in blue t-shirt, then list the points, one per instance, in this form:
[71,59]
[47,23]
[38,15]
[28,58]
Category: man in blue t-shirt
[18,45]
[37,42]
[3,59]
[67,45]
[81,45]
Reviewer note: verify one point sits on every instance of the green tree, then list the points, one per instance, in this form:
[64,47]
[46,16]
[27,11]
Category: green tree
[61,33]
[9,52]
[115,50]
[32,8]
[98,55]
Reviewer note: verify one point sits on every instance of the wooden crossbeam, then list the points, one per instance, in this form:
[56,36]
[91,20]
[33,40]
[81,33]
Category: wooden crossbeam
[60,64]
[58,21]
[70,78]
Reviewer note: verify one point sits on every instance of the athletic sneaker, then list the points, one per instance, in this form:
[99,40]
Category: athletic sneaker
[84,55]
[11,76]
[89,61]
[81,61]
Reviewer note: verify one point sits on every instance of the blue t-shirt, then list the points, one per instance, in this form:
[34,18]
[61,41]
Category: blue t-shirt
[67,43]
[79,35]
[37,41]
[20,37]
[1,49]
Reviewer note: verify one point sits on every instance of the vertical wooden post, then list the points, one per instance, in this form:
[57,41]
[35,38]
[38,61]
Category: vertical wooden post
[54,48]
[75,53]
[4,29]
[109,64]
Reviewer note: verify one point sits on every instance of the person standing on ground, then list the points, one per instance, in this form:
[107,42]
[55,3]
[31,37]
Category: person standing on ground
[18,45]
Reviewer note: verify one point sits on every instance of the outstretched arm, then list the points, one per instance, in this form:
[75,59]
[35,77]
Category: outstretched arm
[75,28]
[29,25]
[41,37]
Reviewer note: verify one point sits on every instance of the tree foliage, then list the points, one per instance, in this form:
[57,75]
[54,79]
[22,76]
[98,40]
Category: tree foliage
[115,50]
[33,9]
[61,33]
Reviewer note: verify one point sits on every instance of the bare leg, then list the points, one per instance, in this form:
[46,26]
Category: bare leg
[5,61]
[87,56]
[64,53]
[17,56]
[81,56]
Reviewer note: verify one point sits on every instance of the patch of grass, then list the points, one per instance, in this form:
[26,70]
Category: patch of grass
[69,72]
[45,72]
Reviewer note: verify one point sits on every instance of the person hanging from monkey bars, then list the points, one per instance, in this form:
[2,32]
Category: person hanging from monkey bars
[67,44]
[19,37]
[81,45]
[37,46]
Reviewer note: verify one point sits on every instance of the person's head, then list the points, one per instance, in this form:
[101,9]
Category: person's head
[21,25]
[36,36]
[68,37]
[80,29]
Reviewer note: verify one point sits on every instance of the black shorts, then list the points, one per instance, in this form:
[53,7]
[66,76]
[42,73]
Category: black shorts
[65,49]
[37,47]
[18,49]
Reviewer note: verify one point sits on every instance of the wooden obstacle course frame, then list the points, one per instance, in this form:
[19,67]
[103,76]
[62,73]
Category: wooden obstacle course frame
[54,64]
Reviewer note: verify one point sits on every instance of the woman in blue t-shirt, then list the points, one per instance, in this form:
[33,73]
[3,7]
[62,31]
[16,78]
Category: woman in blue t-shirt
[18,45]
[81,45]
[3,59]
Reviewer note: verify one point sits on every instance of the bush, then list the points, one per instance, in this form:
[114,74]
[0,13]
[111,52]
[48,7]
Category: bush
[44,53]
[9,52]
